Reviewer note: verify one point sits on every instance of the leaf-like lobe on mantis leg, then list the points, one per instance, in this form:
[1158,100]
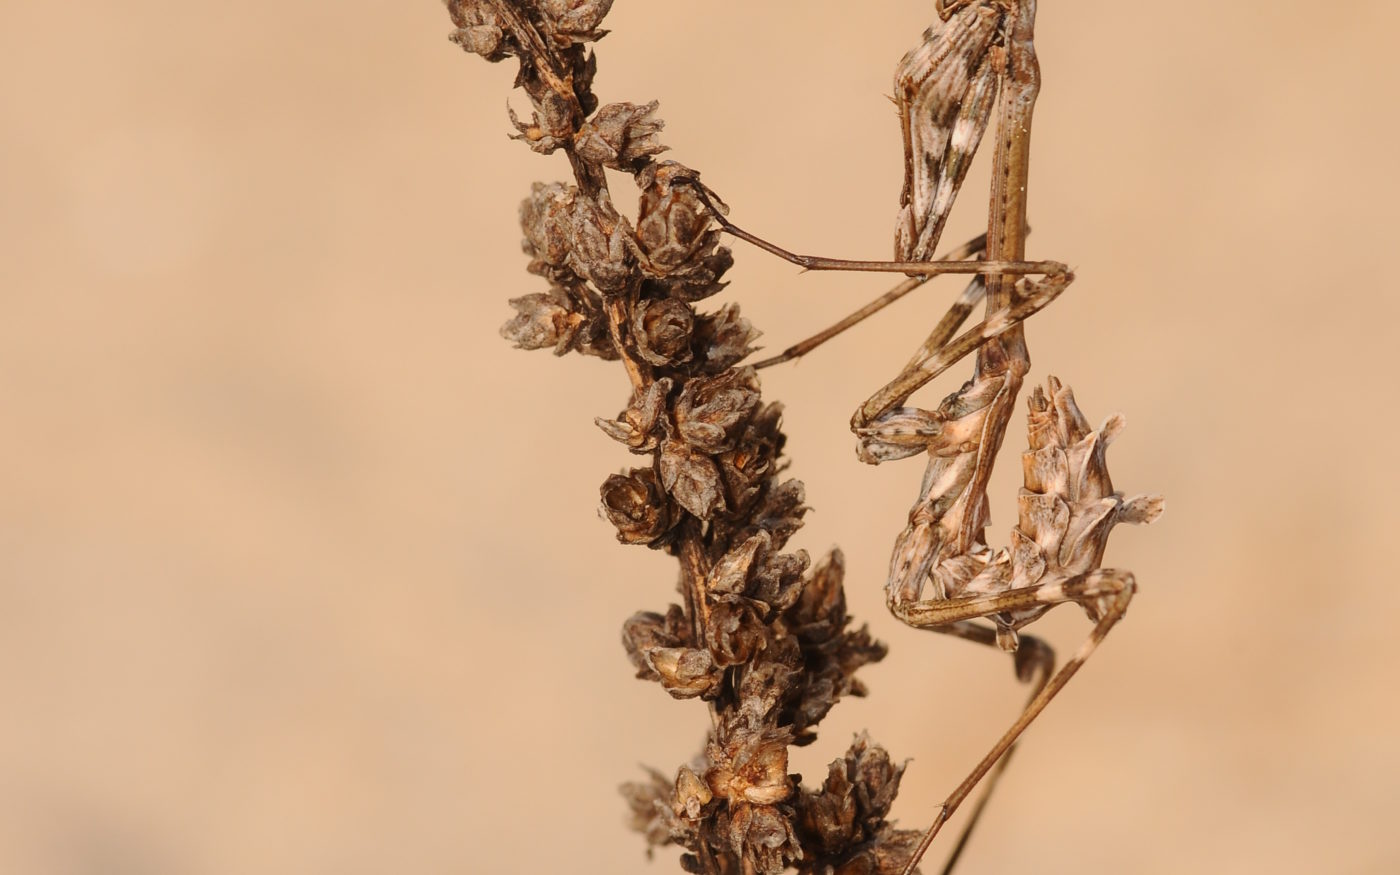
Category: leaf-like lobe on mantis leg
[1067,507]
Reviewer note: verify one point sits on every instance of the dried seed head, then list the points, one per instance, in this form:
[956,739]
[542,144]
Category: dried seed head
[735,630]
[827,682]
[542,320]
[652,812]
[723,338]
[575,21]
[748,471]
[730,575]
[777,578]
[622,136]
[830,653]
[692,794]
[770,660]
[703,279]
[691,478]
[673,229]
[545,219]
[765,687]
[875,778]
[481,29]
[672,224]
[750,766]
[571,237]
[711,412]
[887,854]
[646,629]
[781,507]
[830,675]
[547,130]
[820,613]
[763,836]
[602,244]
[686,673]
[638,426]
[754,570]
[853,803]
[662,331]
[636,504]
[569,319]
[656,647]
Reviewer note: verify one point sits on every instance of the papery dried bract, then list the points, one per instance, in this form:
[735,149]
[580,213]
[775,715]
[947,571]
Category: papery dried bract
[820,614]
[781,511]
[831,653]
[545,219]
[541,321]
[748,471]
[702,279]
[855,798]
[576,20]
[544,132]
[712,411]
[692,794]
[662,331]
[656,645]
[480,29]
[763,835]
[602,247]
[636,504]
[777,579]
[652,813]
[723,338]
[621,136]
[563,318]
[639,425]
[673,224]
[685,672]
[766,686]
[692,479]
[674,231]
[757,571]
[730,574]
[750,765]
[735,631]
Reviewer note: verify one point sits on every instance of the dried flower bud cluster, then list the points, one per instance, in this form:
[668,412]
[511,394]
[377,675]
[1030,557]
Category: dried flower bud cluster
[760,635]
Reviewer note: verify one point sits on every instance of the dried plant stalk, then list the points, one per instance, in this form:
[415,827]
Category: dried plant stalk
[760,634]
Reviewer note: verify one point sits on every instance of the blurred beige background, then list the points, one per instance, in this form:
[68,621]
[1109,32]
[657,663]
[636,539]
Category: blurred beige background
[300,569]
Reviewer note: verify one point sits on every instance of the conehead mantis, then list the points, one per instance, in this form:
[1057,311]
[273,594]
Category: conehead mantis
[975,64]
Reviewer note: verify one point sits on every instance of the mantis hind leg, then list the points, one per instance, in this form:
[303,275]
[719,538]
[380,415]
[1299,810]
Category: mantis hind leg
[1035,664]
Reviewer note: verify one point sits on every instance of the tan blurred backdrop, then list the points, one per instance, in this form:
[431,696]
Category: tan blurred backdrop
[300,566]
